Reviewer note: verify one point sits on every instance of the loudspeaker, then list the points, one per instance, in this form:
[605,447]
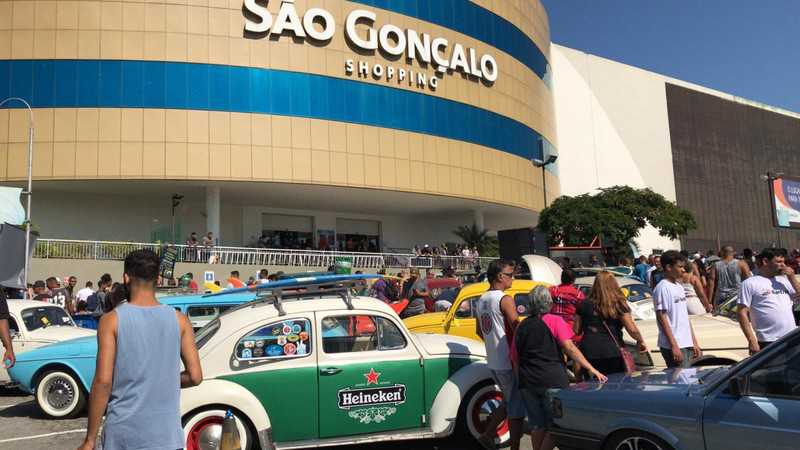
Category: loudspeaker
[522,241]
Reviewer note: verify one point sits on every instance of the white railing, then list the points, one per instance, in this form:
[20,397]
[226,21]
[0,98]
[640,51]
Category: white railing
[116,251]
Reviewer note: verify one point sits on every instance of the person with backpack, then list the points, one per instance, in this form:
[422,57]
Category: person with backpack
[566,297]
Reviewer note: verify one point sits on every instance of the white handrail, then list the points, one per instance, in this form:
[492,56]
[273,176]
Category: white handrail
[116,251]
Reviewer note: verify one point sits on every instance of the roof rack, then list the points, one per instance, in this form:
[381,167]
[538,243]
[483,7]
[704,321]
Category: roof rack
[277,293]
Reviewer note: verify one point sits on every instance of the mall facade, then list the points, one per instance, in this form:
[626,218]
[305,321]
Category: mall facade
[374,123]
[364,124]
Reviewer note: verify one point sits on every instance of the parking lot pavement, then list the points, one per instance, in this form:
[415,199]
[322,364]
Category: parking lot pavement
[25,427]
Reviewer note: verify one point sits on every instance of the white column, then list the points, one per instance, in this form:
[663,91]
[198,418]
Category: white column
[478,219]
[213,211]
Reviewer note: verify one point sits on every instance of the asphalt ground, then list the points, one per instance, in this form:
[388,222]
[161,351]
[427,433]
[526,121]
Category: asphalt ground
[24,427]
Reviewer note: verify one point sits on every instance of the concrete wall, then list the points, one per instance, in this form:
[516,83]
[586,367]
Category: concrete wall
[613,129]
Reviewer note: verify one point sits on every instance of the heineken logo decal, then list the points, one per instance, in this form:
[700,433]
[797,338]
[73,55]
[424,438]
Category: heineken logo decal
[372,401]
[384,395]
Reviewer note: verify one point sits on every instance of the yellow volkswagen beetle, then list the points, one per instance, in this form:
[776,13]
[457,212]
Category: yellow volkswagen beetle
[459,320]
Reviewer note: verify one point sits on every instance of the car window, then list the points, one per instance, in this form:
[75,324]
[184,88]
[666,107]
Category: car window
[279,340]
[347,334]
[467,307]
[12,325]
[45,316]
[206,312]
[778,377]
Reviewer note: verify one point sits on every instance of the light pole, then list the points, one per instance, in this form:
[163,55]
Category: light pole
[769,177]
[29,191]
[176,201]
[543,164]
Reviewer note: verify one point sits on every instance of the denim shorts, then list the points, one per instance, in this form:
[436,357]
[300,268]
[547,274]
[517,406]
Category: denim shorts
[540,415]
[671,363]
[508,383]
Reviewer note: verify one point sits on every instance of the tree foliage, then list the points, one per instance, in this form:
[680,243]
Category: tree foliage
[477,238]
[615,214]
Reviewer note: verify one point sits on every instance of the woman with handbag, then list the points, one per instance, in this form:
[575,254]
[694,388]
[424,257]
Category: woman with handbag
[601,319]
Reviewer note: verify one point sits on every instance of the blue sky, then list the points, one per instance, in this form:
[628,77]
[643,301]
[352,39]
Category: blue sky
[749,48]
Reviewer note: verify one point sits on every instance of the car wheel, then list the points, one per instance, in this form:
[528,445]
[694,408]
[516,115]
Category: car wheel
[60,395]
[476,408]
[203,430]
[636,440]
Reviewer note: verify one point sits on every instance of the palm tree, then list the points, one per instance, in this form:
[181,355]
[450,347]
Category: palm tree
[478,238]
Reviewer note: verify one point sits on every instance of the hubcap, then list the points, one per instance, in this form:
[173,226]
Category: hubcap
[205,434]
[483,409]
[638,443]
[59,393]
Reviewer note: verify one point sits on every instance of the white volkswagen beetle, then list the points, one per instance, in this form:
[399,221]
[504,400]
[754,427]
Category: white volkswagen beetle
[34,324]
[319,367]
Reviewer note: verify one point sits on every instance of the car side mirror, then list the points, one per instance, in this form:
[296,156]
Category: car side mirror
[736,386]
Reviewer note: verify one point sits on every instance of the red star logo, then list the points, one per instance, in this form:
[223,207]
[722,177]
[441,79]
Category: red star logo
[372,376]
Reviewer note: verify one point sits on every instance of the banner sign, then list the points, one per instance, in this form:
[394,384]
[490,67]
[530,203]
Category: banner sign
[786,202]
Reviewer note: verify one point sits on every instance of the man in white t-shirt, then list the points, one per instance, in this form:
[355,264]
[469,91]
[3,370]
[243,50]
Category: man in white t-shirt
[496,312]
[83,295]
[676,337]
[766,301]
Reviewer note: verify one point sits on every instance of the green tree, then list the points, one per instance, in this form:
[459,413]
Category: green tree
[615,214]
[478,238]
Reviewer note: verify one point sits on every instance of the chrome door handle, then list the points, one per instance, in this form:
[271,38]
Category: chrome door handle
[329,371]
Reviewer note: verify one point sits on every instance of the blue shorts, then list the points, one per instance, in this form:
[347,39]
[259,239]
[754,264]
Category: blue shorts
[508,384]
[540,414]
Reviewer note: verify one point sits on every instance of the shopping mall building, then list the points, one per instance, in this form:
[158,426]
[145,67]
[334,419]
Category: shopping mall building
[377,123]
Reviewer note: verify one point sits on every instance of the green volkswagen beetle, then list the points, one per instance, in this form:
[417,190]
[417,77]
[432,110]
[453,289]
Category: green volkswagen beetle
[323,368]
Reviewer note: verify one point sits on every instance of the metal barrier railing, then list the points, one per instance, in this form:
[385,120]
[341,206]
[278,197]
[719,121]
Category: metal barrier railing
[116,251]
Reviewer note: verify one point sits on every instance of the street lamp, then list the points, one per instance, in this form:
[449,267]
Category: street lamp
[29,192]
[543,164]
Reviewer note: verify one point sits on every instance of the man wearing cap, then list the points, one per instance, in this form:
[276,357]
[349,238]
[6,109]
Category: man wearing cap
[40,291]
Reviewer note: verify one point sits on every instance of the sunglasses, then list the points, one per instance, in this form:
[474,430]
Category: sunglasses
[509,275]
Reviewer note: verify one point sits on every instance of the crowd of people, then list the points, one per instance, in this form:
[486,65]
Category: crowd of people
[461,250]
[528,357]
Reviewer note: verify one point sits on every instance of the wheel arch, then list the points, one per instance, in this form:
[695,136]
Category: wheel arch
[222,393]
[445,407]
[635,424]
[60,365]
[717,359]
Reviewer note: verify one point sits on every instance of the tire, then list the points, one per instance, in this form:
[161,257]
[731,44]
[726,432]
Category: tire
[635,440]
[475,409]
[60,395]
[203,429]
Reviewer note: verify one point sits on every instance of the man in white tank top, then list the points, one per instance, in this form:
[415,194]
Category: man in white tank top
[496,314]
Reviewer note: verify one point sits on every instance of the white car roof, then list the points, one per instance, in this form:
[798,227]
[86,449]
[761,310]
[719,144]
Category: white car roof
[622,281]
[260,310]
[16,306]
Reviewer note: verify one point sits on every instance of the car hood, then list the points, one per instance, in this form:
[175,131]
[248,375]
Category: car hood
[674,380]
[425,320]
[80,347]
[60,333]
[442,344]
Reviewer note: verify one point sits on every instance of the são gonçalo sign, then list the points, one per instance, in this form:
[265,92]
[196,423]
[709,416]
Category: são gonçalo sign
[392,41]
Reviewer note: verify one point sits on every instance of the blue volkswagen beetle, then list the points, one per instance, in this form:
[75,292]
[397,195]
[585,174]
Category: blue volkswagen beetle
[60,375]
[754,404]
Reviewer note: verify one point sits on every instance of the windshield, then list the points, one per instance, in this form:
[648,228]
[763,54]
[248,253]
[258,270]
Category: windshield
[206,333]
[45,316]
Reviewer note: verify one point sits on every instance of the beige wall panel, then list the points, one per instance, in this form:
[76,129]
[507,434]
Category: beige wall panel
[63,159]
[159,30]
[110,157]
